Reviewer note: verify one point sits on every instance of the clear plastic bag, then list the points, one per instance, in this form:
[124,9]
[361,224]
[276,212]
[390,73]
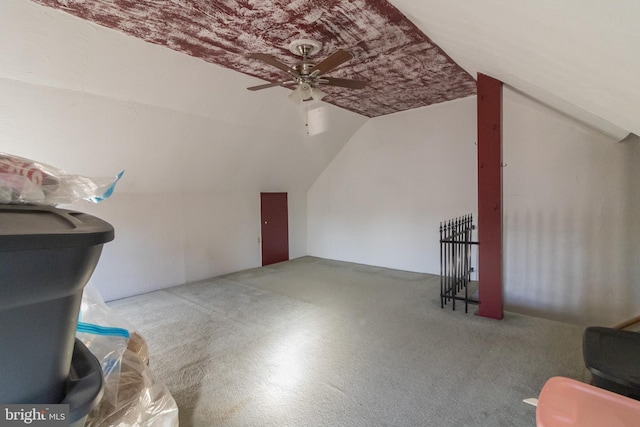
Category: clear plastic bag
[106,335]
[24,181]
[132,395]
[142,400]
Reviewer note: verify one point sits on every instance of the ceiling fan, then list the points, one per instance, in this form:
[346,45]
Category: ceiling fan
[306,75]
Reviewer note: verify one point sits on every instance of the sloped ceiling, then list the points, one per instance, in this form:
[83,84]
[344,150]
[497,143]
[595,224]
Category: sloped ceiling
[94,101]
[405,69]
[581,57]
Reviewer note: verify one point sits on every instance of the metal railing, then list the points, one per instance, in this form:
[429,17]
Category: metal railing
[455,261]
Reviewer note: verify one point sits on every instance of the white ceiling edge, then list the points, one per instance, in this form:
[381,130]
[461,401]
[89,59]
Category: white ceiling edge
[588,119]
[631,138]
[579,57]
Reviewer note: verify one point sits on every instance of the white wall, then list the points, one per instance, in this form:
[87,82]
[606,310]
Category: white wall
[197,147]
[381,199]
[571,204]
[571,217]
[168,238]
[148,251]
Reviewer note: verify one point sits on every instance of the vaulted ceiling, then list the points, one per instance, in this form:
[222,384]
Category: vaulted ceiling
[95,100]
[579,57]
[403,67]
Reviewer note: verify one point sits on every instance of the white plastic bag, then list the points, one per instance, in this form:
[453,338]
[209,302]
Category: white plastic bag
[24,181]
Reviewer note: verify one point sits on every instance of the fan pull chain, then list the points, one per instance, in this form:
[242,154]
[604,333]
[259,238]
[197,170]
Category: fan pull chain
[306,117]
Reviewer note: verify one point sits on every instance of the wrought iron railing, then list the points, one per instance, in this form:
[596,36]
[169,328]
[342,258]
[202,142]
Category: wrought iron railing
[455,261]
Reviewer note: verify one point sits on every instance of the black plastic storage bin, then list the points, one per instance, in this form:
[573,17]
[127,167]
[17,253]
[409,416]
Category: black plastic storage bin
[85,386]
[47,255]
[613,358]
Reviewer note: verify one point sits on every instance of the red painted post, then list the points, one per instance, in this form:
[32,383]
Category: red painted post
[490,197]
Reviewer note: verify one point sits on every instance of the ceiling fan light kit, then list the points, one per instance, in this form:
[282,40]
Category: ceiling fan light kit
[307,76]
[300,94]
[304,92]
[317,94]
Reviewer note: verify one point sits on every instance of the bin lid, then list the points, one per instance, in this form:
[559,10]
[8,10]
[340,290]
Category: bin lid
[44,227]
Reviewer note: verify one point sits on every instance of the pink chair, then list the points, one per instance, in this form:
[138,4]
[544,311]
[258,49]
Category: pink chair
[564,402]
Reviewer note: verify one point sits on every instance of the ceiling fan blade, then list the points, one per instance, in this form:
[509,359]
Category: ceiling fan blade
[351,84]
[332,61]
[268,85]
[268,59]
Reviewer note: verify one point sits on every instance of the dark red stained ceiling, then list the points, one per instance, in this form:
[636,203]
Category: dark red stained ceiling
[404,68]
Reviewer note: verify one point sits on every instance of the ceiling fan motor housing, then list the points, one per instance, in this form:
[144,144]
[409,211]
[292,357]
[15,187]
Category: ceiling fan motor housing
[303,67]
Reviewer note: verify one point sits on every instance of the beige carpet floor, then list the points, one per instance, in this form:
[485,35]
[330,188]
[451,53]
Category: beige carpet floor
[313,342]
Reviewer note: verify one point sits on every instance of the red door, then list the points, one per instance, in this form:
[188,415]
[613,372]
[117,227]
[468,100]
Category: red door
[275,227]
